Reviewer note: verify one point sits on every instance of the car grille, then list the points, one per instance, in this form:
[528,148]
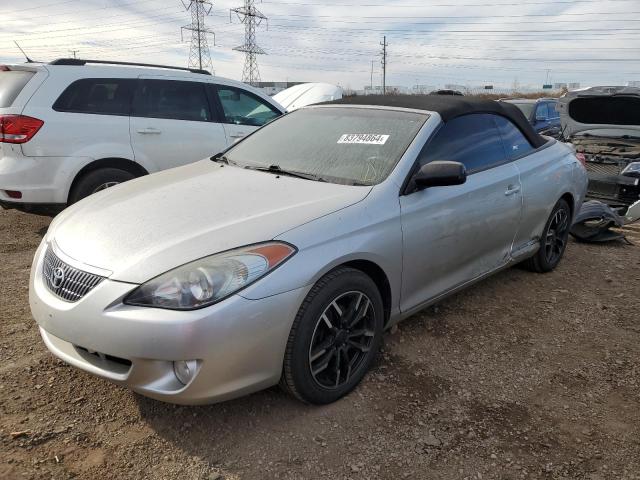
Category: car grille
[604,168]
[65,281]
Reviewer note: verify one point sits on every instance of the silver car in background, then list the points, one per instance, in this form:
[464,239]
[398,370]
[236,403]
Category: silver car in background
[283,259]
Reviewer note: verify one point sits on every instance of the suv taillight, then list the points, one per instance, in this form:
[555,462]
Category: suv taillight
[581,158]
[4,68]
[18,128]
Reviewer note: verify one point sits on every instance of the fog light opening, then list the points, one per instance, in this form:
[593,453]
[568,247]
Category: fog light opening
[184,370]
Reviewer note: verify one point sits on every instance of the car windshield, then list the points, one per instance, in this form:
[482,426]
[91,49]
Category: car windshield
[346,145]
[526,108]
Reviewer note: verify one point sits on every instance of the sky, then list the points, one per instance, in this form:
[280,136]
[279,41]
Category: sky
[504,43]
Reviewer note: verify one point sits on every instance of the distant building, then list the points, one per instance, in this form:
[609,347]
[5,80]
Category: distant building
[560,86]
[574,85]
[422,89]
[633,83]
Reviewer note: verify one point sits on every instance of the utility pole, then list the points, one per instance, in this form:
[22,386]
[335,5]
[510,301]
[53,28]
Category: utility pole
[372,62]
[384,64]
[74,53]
[199,55]
[548,73]
[252,18]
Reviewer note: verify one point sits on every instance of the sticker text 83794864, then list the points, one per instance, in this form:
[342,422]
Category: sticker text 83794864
[364,138]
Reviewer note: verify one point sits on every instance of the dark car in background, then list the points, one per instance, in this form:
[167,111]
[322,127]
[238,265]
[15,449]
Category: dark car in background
[447,92]
[541,113]
[603,124]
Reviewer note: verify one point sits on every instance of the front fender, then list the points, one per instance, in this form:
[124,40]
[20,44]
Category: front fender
[369,230]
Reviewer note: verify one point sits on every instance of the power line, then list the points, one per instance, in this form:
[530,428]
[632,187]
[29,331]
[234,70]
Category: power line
[199,55]
[511,4]
[252,18]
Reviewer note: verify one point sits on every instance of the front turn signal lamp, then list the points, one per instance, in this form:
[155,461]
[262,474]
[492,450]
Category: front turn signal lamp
[211,279]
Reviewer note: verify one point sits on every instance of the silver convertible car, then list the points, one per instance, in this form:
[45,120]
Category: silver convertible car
[284,258]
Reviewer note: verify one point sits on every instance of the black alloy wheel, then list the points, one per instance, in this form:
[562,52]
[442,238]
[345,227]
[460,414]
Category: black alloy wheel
[342,337]
[553,241]
[334,338]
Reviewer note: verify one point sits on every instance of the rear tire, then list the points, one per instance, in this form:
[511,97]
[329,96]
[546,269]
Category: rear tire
[335,337]
[554,240]
[97,180]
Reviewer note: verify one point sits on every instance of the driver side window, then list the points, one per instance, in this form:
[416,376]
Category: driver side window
[242,108]
[473,140]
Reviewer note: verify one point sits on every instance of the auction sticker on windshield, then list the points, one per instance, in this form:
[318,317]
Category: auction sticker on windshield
[364,138]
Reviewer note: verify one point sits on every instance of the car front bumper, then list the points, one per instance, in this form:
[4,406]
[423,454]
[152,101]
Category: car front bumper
[614,190]
[238,344]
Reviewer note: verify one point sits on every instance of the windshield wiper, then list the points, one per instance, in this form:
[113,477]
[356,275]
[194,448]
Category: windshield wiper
[290,173]
[222,159]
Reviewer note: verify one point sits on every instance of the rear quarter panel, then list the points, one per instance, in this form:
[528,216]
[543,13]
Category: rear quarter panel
[546,175]
[66,134]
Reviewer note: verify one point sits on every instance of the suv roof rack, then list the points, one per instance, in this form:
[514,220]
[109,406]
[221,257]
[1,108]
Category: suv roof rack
[78,62]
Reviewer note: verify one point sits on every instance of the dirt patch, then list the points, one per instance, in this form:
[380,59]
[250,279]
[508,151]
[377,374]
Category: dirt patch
[521,376]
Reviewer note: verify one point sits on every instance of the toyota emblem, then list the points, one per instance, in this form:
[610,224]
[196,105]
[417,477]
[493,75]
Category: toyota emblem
[58,278]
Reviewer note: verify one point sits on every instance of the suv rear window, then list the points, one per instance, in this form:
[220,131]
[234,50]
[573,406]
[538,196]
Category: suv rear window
[102,96]
[11,84]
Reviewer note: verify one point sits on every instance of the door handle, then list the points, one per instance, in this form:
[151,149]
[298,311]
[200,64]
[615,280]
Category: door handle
[238,135]
[149,131]
[512,190]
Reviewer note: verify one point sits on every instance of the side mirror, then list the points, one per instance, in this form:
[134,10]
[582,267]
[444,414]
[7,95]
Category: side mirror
[440,174]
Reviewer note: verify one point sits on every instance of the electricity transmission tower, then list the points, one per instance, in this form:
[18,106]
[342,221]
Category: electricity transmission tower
[199,56]
[252,18]
[384,45]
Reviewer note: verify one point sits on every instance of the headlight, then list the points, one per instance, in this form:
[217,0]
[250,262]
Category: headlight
[211,279]
[632,169]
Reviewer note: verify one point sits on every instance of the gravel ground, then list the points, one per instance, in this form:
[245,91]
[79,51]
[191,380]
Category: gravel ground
[521,376]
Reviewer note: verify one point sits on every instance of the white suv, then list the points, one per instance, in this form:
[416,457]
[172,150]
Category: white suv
[72,127]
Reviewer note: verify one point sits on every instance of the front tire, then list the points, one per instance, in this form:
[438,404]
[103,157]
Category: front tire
[98,180]
[335,337]
[554,240]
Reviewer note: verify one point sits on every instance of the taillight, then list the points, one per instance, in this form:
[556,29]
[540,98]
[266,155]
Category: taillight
[4,68]
[582,159]
[18,128]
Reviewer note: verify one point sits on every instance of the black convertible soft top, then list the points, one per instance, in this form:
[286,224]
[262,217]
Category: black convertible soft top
[449,107]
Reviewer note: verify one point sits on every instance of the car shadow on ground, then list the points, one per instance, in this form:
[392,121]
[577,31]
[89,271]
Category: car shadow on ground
[212,432]
[216,433]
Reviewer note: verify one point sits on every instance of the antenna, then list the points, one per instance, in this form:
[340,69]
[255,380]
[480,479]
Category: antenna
[25,55]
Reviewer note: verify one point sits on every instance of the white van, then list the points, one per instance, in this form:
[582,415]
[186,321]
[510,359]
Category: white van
[73,127]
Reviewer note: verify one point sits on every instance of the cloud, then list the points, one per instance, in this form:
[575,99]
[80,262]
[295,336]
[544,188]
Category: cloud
[466,42]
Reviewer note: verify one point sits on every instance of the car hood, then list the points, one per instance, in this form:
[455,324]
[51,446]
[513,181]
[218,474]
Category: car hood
[150,225]
[601,111]
[305,94]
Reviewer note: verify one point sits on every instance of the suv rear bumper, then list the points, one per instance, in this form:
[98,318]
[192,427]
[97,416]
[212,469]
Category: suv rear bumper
[40,180]
[48,209]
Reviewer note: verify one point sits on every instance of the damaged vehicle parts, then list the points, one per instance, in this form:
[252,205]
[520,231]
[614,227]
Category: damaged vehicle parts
[603,124]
